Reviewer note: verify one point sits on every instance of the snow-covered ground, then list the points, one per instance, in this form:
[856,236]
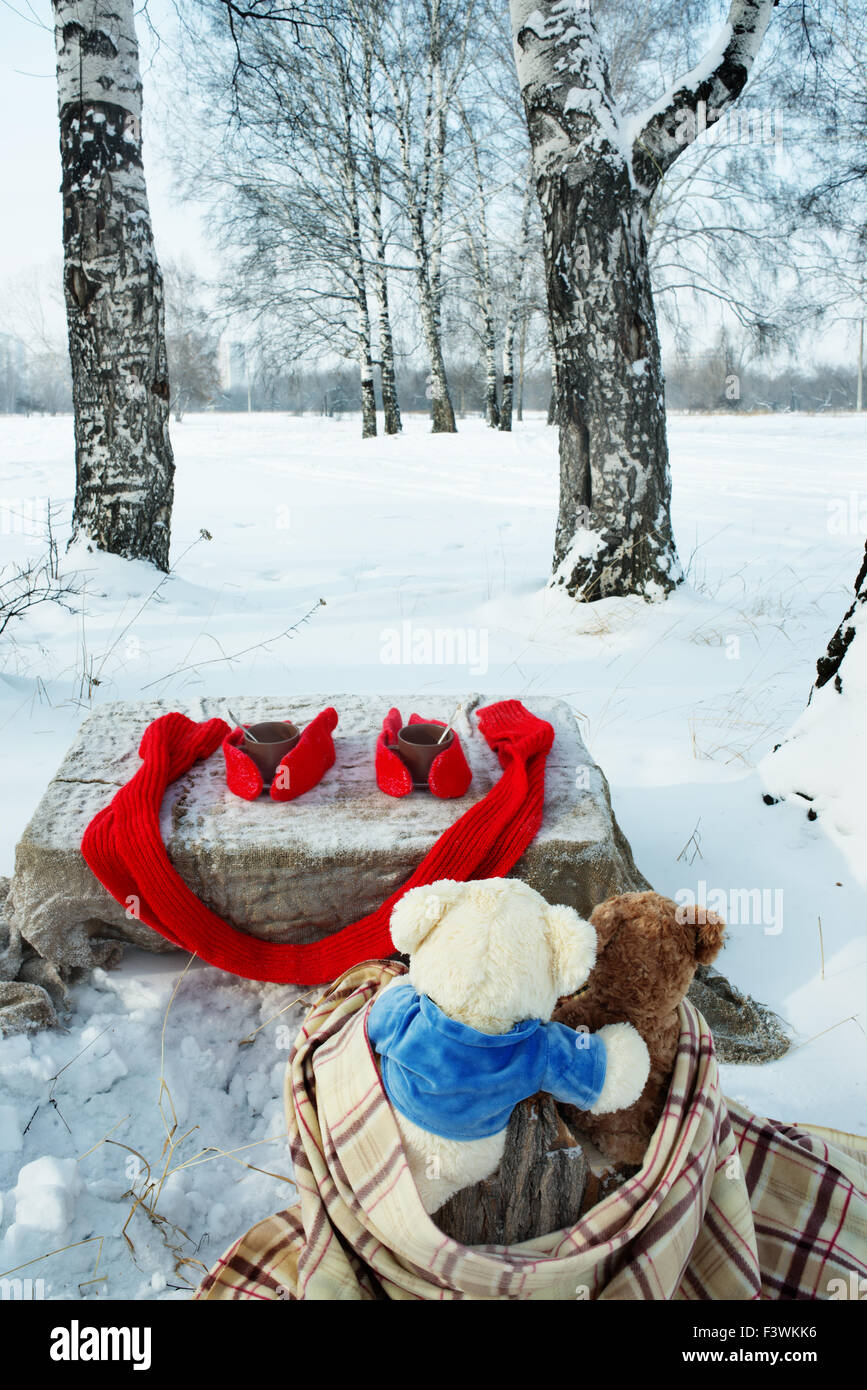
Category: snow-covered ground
[404,537]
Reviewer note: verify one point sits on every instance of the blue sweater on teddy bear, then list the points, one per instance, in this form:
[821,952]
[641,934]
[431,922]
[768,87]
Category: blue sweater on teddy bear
[456,1082]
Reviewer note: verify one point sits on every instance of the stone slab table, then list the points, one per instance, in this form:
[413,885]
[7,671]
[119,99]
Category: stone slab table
[298,871]
[294,871]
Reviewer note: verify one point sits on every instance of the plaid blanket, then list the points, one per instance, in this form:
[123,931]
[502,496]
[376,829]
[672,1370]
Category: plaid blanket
[726,1206]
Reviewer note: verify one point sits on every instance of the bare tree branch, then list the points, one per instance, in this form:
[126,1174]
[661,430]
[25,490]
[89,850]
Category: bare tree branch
[713,85]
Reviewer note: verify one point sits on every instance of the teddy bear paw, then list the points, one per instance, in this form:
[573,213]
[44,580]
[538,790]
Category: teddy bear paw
[626,1070]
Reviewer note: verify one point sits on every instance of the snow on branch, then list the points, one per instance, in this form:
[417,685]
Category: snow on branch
[711,87]
[564,81]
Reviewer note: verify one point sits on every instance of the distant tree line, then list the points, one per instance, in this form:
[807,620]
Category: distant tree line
[703,381]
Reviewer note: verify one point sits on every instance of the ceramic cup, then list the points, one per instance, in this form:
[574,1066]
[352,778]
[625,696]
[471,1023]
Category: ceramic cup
[418,745]
[274,739]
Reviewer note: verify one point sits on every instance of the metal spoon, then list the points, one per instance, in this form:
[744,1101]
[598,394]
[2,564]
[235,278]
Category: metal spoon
[447,729]
[247,733]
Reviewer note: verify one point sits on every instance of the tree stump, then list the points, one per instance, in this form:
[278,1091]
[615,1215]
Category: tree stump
[538,1187]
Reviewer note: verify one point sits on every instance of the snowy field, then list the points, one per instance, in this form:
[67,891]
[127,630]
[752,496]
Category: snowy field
[402,537]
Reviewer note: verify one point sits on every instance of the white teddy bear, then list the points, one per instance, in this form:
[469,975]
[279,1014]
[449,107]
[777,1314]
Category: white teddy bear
[465,1035]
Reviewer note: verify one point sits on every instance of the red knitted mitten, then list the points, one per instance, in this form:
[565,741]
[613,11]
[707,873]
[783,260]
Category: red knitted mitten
[307,763]
[298,770]
[242,775]
[450,773]
[392,774]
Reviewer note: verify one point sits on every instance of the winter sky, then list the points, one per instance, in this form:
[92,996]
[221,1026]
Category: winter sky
[30,156]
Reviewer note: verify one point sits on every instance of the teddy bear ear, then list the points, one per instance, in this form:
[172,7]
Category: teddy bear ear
[709,933]
[418,912]
[573,946]
[606,916]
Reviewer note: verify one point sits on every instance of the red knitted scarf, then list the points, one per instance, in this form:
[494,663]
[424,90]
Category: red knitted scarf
[123,847]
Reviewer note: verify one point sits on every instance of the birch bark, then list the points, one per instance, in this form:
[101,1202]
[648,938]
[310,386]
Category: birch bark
[379,272]
[359,278]
[595,179]
[424,191]
[521,355]
[512,314]
[480,256]
[830,666]
[442,411]
[113,288]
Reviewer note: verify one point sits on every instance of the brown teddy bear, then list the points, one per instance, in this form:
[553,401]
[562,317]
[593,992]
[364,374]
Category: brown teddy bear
[645,959]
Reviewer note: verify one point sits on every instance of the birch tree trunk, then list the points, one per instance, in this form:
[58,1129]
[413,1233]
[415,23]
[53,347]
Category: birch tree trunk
[349,176]
[379,272]
[113,288]
[442,412]
[435,159]
[595,182]
[424,197]
[521,355]
[505,422]
[512,315]
[388,379]
[793,770]
[480,257]
[365,362]
[830,665]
